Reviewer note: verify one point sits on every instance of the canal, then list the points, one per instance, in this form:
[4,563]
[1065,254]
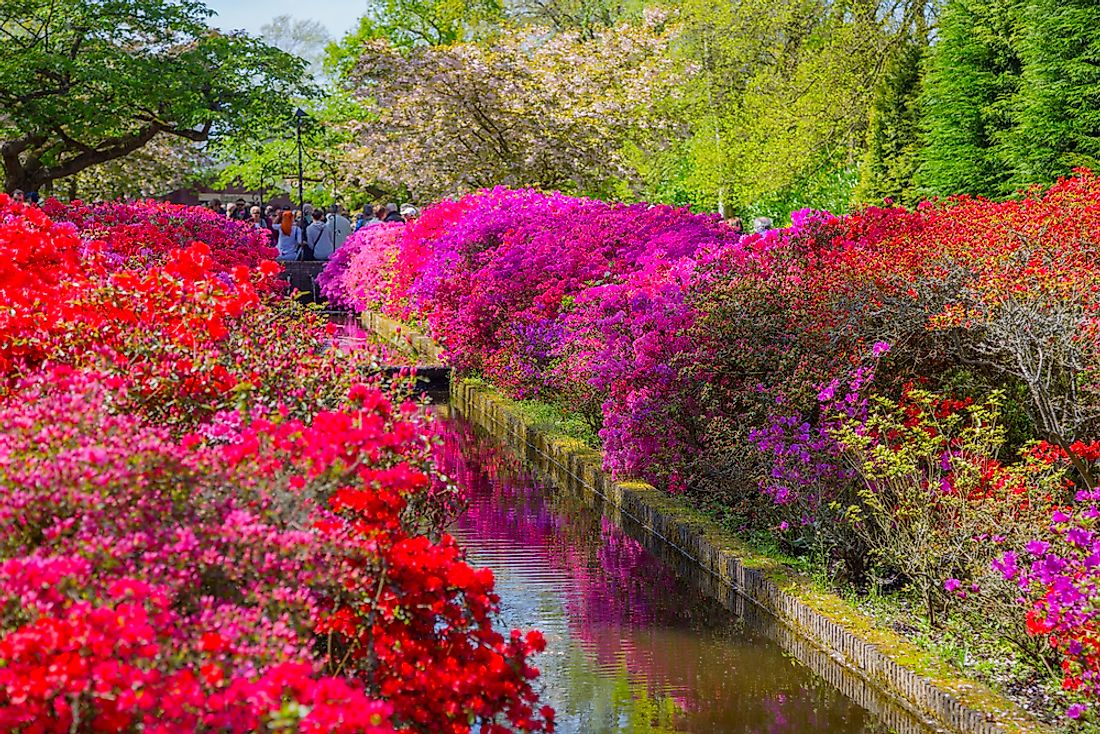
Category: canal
[634,644]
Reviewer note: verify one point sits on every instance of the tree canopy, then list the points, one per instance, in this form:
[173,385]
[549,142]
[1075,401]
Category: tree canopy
[553,110]
[85,83]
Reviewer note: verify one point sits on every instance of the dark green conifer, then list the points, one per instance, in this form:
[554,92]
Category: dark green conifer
[1057,110]
[972,77]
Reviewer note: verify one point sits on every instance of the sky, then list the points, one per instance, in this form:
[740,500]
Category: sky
[339,16]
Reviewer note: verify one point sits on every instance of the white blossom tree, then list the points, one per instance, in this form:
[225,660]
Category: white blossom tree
[533,108]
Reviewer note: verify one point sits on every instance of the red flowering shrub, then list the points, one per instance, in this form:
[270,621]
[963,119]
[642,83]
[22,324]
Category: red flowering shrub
[147,231]
[213,523]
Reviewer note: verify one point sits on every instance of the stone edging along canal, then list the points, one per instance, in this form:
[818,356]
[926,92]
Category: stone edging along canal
[917,680]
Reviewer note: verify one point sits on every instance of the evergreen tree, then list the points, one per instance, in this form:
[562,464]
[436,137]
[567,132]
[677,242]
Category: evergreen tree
[893,138]
[1058,106]
[972,76]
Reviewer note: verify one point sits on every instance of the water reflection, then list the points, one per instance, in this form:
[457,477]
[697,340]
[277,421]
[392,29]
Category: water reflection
[632,645]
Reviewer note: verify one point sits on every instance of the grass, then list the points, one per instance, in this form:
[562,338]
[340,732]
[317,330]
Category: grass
[549,418]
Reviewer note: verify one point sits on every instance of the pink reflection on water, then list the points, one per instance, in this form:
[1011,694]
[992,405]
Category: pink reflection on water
[627,611]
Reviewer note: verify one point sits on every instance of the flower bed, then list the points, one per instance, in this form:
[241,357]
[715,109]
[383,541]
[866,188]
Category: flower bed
[910,398]
[215,518]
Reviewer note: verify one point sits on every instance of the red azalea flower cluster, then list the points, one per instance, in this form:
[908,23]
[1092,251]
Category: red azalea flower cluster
[148,231]
[214,520]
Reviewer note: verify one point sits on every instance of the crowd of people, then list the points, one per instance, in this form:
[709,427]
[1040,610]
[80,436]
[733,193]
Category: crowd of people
[311,233]
[30,197]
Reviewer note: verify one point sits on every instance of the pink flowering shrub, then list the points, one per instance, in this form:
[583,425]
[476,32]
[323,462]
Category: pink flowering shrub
[357,275]
[511,282]
[752,371]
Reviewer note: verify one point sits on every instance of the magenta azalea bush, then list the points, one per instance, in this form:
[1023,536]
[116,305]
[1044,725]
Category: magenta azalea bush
[873,389]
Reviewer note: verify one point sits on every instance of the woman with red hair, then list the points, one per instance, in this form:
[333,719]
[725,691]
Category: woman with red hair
[288,237]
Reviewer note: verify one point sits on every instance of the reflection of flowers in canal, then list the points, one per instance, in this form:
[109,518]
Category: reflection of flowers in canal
[664,658]
[619,581]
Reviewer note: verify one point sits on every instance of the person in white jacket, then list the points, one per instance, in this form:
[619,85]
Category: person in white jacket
[337,229]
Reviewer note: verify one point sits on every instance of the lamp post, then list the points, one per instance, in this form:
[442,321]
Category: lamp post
[298,115]
[265,169]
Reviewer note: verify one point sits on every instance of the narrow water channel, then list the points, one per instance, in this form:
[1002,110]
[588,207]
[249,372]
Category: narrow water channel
[633,645]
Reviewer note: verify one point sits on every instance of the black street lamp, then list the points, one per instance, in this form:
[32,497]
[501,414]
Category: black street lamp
[265,169]
[298,115]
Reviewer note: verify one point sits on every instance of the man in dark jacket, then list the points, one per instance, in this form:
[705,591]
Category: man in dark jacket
[392,214]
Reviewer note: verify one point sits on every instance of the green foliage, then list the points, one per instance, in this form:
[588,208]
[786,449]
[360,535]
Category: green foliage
[973,74]
[86,83]
[938,507]
[893,139]
[781,102]
[409,23]
[271,164]
[829,187]
[1058,108]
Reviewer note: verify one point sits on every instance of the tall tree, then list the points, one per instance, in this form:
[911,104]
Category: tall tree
[554,111]
[973,74]
[1057,111]
[893,136]
[782,100]
[83,83]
